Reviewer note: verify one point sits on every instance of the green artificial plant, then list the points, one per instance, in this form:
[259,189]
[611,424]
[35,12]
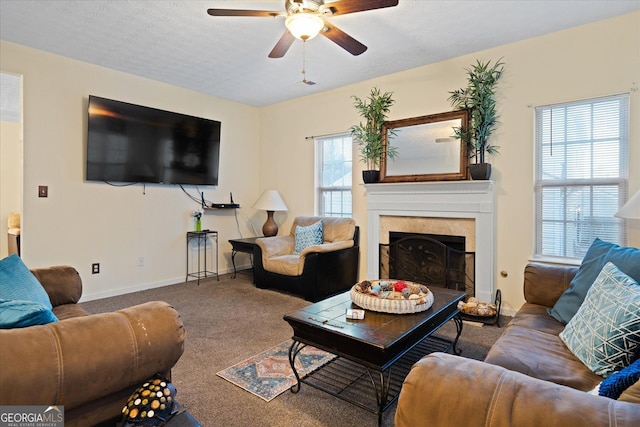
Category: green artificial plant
[368,134]
[478,97]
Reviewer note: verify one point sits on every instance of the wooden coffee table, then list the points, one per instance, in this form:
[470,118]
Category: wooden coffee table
[374,354]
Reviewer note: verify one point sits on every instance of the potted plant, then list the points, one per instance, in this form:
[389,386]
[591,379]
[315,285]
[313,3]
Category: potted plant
[369,134]
[478,98]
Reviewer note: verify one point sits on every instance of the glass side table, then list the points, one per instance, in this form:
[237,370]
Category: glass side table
[202,238]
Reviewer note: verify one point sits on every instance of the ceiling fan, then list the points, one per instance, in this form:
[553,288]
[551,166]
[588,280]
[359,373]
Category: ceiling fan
[305,19]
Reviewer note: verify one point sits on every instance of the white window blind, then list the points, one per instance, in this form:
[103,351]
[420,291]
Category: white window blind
[334,175]
[581,174]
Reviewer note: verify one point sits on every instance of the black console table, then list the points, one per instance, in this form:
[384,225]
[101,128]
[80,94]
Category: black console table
[201,237]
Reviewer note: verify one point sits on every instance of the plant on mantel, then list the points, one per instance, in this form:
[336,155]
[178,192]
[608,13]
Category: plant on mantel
[478,97]
[369,134]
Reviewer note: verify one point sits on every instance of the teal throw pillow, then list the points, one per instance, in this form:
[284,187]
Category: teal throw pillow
[19,314]
[18,283]
[625,258]
[605,332]
[309,235]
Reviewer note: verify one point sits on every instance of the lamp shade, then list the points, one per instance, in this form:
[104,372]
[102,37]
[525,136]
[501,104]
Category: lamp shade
[304,26]
[270,200]
[631,209]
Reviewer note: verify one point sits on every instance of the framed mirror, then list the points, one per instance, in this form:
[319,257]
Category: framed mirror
[427,149]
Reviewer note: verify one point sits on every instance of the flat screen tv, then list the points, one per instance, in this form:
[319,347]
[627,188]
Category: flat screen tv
[132,143]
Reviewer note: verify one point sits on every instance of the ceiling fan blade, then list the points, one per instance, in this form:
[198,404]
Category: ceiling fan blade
[342,7]
[282,46]
[343,39]
[241,12]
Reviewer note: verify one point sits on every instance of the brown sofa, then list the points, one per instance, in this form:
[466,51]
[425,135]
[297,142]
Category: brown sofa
[529,377]
[90,364]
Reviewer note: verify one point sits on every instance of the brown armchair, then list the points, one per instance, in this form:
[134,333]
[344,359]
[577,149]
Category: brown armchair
[319,271]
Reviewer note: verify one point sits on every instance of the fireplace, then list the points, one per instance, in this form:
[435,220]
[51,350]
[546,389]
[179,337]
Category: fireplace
[431,259]
[457,208]
[451,241]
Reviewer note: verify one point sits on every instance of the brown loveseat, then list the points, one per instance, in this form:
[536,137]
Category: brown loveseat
[89,364]
[319,271]
[529,377]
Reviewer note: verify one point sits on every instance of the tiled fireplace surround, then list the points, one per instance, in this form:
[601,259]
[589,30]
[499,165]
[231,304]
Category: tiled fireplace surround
[458,208]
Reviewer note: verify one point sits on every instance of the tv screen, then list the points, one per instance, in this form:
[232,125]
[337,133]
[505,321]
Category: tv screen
[132,143]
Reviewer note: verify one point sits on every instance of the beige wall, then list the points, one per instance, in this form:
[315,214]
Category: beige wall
[85,222]
[589,61]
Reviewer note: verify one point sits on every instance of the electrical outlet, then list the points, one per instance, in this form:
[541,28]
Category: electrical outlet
[95,268]
[43,191]
[141,261]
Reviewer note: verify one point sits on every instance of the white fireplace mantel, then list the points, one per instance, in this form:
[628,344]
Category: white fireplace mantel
[442,199]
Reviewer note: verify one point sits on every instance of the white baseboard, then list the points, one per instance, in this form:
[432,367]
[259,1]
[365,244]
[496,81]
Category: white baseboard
[130,289]
[144,286]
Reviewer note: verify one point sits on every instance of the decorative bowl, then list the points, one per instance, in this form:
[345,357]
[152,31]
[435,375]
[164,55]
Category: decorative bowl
[373,302]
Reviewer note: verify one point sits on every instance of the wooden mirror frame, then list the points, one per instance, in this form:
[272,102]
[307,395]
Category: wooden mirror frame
[429,173]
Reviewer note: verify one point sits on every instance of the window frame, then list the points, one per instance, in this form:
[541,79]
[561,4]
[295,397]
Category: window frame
[321,190]
[541,183]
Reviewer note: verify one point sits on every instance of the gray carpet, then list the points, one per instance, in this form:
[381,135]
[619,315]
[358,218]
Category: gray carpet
[230,320]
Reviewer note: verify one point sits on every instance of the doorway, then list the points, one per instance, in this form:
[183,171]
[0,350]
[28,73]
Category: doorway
[11,153]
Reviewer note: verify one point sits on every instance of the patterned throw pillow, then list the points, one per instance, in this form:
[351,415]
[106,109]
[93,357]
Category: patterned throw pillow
[605,332]
[310,235]
[152,404]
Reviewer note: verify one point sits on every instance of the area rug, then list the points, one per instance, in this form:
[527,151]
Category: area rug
[268,374]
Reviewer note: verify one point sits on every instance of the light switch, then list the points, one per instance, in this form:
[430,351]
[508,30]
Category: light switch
[43,191]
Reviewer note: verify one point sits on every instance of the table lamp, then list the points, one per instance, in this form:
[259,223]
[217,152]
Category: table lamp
[270,201]
[631,209]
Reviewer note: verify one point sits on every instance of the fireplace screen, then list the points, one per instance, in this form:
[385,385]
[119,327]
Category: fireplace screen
[427,260]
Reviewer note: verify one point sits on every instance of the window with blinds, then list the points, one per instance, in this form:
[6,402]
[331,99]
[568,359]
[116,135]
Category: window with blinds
[334,175]
[581,174]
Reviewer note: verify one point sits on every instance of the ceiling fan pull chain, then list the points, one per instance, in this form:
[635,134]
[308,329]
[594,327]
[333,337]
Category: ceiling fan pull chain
[304,65]
[304,60]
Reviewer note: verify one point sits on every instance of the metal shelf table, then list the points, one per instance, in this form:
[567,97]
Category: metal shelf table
[201,238]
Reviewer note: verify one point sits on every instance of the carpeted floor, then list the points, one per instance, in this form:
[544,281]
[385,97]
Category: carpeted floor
[230,320]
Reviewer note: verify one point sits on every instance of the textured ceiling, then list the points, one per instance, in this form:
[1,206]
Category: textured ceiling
[178,43]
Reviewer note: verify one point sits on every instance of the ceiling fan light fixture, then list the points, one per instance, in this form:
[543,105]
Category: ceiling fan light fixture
[304,25]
